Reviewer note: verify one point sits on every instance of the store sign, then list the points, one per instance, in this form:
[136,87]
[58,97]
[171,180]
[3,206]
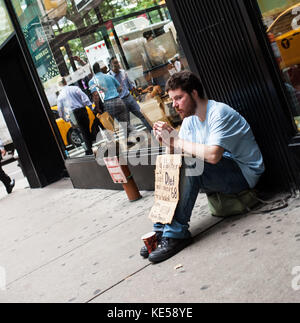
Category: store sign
[109,25]
[97,52]
[36,39]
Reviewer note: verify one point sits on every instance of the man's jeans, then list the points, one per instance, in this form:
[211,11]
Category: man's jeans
[134,108]
[225,177]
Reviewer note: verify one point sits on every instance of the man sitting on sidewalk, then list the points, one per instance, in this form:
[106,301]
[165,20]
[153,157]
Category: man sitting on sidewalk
[220,137]
[5,179]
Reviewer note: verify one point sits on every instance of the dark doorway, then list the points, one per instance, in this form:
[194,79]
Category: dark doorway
[27,120]
[226,45]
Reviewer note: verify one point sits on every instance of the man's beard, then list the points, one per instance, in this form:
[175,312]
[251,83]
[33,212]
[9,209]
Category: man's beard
[192,109]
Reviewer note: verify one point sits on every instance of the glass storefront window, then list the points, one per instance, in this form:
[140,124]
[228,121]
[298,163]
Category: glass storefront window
[67,37]
[282,21]
[6,28]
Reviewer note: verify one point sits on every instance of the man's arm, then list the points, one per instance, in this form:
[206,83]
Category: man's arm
[117,84]
[210,154]
[98,102]
[130,84]
[84,98]
[169,137]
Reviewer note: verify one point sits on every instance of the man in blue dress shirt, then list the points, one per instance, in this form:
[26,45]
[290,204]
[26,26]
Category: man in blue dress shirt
[74,101]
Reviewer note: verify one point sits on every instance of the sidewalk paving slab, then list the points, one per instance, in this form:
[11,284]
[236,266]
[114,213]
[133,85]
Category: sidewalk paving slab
[59,244]
[242,259]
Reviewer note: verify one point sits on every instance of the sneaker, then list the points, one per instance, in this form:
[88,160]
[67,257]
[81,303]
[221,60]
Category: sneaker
[168,248]
[144,251]
[11,186]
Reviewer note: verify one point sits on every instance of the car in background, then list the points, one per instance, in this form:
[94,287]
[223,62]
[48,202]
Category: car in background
[69,134]
[286,32]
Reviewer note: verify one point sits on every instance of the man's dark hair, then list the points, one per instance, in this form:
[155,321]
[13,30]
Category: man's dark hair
[186,81]
[148,34]
[96,68]
[112,59]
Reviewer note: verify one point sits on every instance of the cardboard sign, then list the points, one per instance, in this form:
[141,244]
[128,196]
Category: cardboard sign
[167,176]
[115,170]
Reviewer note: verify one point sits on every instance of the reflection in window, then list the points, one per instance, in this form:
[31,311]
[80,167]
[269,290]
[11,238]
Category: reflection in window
[283,29]
[67,37]
[6,27]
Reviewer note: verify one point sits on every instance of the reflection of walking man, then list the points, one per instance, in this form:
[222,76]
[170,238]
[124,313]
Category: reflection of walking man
[72,98]
[5,179]
[127,85]
[112,102]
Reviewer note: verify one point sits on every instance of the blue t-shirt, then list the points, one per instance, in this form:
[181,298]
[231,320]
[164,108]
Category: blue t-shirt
[226,128]
[106,83]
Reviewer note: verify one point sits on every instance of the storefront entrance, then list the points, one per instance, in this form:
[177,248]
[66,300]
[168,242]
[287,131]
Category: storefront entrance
[228,44]
[20,104]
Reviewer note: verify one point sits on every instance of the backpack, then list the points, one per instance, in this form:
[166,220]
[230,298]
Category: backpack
[224,205]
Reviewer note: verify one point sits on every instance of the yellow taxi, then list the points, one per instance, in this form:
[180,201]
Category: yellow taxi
[69,134]
[286,30]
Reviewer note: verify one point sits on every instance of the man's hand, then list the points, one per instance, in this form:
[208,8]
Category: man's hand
[3,152]
[165,134]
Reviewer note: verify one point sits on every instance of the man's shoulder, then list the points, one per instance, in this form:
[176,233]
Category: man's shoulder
[75,89]
[220,106]
[222,110]
[188,122]
[108,77]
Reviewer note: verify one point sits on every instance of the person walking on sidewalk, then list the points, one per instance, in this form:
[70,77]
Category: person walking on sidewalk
[219,136]
[127,85]
[5,179]
[73,99]
[112,102]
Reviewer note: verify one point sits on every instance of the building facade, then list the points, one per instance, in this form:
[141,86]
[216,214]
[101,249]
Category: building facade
[247,54]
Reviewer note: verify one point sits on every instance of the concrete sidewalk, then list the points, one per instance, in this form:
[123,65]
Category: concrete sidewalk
[59,244]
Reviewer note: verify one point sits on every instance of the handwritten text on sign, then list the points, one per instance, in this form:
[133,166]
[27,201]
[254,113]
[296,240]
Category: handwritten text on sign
[167,176]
